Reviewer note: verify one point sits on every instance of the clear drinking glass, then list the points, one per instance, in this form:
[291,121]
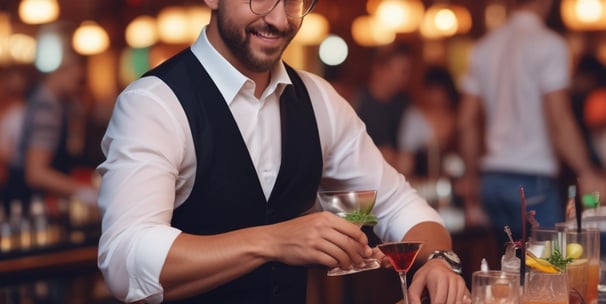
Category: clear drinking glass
[354,206]
[545,288]
[495,287]
[583,272]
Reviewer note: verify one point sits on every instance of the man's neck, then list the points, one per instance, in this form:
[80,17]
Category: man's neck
[261,79]
[538,8]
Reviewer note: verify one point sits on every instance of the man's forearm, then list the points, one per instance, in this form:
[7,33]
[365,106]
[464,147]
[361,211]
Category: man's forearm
[434,235]
[197,264]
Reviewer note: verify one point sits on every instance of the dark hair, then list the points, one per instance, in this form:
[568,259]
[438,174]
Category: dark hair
[384,54]
[440,76]
[589,64]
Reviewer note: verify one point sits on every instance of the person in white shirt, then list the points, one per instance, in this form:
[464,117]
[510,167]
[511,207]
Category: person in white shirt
[516,123]
[213,161]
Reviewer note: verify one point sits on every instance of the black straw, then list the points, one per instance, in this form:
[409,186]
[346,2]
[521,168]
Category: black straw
[578,207]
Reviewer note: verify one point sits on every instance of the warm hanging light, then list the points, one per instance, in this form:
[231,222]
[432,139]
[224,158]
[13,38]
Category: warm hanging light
[173,25]
[463,18]
[5,32]
[22,48]
[313,31]
[90,38]
[141,32]
[584,15]
[38,11]
[5,24]
[446,21]
[443,20]
[197,16]
[368,31]
[372,5]
[400,16]
[181,25]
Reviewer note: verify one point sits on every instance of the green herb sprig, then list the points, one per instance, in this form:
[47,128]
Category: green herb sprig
[359,217]
[557,260]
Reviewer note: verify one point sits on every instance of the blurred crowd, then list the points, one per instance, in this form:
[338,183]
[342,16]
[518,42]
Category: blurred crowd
[49,146]
[418,126]
[45,139]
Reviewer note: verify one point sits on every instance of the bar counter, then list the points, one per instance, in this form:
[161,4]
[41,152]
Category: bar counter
[77,262]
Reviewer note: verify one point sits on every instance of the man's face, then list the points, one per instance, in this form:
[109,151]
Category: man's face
[73,75]
[257,42]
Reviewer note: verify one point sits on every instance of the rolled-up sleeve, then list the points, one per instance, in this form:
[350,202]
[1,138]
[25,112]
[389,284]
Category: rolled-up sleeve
[144,146]
[352,161]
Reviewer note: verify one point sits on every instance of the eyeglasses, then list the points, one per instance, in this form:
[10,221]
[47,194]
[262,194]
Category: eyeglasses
[292,8]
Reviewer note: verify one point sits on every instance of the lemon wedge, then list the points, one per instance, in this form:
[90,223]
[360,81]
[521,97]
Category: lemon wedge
[540,264]
[574,250]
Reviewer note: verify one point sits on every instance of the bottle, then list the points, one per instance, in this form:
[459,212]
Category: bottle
[15,219]
[6,237]
[509,261]
[39,217]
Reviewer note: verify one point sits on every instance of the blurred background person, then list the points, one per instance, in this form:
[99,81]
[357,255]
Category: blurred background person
[381,103]
[516,120]
[589,76]
[427,131]
[427,146]
[52,136]
[595,119]
[13,86]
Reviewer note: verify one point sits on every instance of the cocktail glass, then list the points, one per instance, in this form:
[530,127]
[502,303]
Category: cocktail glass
[354,206]
[402,255]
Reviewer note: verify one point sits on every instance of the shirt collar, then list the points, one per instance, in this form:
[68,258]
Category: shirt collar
[227,78]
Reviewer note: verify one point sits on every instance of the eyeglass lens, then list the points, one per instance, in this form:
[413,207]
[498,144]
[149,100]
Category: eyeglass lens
[292,8]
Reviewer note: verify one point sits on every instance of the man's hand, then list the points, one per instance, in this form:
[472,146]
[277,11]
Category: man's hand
[589,181]
[443,285]
[319,238]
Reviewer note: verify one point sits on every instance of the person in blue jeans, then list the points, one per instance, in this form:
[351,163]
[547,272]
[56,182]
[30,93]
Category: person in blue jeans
[516,124]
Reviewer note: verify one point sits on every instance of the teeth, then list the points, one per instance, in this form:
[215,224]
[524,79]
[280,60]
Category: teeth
[266,34]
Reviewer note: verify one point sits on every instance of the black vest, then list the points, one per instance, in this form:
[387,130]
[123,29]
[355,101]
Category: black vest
[227,194]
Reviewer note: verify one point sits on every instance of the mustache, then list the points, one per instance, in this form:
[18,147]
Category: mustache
[268,28]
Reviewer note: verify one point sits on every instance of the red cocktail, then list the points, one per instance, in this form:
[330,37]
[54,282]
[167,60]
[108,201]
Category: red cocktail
[402,255]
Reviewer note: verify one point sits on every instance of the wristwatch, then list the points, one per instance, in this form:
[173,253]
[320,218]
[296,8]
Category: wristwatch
[450,257]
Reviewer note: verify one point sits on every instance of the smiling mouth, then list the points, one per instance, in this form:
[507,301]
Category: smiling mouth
[266,34]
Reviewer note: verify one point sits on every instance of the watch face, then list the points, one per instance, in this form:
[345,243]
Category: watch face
[452,256]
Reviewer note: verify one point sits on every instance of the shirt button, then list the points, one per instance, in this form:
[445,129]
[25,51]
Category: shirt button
[275,290]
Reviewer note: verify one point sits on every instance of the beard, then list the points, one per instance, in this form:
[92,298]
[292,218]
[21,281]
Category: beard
[238,42]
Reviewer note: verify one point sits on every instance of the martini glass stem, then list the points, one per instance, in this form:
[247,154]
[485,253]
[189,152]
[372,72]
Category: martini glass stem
[404,286]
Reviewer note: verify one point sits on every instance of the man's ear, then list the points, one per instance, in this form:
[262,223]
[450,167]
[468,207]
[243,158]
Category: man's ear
[212,4]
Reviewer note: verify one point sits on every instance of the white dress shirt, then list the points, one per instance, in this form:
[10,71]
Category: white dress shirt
[151,166]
